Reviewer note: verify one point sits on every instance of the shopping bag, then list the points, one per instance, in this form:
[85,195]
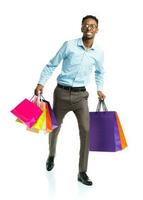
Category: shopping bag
[35,100]
[52,115]
[121,133]
[32,129]
[39,123]
[27,112]
[106,133]
[45,124]
[47,121]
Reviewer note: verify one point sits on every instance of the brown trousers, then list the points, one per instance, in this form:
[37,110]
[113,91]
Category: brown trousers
[65,101]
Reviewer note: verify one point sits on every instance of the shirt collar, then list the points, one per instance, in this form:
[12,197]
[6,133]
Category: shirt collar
[80,43]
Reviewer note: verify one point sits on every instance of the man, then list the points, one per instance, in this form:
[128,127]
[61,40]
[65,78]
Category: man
[80,56]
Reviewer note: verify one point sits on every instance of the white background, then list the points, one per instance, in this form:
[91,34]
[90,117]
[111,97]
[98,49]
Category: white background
[31,33]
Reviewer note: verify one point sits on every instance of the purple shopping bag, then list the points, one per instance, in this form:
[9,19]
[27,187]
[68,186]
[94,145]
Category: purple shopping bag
[52,115]
[104,131]
[27,111]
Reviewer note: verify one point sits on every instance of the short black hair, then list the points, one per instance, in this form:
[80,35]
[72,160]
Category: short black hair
[90,16]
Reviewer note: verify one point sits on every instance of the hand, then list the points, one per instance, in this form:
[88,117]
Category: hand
[38,90]
[101,96]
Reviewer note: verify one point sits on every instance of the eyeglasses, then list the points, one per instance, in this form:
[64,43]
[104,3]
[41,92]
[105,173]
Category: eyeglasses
[91,26]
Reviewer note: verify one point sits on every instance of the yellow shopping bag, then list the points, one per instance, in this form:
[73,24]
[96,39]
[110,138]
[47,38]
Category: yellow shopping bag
[39,123]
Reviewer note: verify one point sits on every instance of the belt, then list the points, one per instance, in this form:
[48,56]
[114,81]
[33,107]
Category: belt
[74,89]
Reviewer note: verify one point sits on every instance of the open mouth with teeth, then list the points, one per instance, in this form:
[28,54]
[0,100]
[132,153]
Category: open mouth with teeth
[88,34]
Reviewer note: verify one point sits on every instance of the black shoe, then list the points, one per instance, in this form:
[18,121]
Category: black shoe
[83,178]
[50,163]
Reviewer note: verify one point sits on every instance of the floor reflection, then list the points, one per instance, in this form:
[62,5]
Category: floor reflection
[51,183]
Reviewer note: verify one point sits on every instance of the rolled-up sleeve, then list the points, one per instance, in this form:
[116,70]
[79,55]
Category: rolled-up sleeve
[53,63]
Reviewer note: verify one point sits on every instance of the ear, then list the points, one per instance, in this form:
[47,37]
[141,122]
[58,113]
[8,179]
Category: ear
[81,29]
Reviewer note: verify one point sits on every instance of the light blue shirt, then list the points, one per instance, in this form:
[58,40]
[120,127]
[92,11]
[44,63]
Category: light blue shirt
[77,66]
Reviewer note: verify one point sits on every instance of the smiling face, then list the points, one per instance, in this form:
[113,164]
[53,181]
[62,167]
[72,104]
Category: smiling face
[89,28]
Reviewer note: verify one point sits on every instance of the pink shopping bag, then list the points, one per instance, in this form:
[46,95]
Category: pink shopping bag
[27,111]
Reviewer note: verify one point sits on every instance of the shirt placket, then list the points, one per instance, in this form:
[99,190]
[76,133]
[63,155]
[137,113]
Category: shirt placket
[80,68]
